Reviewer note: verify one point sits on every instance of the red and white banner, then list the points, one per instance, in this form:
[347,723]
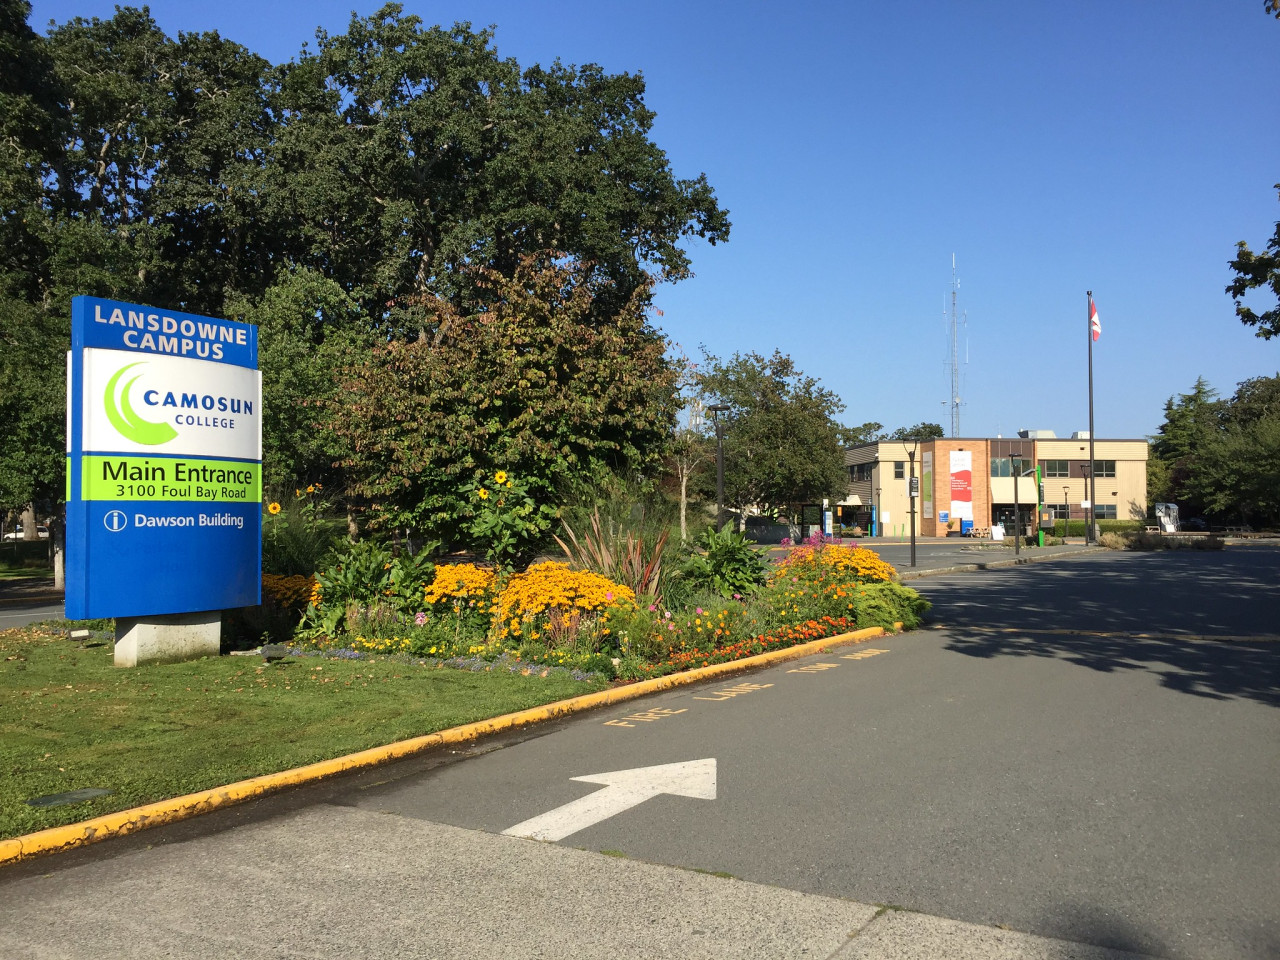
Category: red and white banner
[962,484]
[1095,327]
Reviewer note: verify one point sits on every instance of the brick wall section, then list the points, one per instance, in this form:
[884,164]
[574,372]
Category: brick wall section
[941,449]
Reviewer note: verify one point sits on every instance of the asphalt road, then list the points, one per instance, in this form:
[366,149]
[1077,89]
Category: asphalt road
[1062,753]
[1028,762]
[11,617]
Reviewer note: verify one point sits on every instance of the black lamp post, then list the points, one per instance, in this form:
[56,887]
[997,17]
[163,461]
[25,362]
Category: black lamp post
[1015,464]
[1087,471]
[879,530]
[913,489]
[1066,501]
[716,410]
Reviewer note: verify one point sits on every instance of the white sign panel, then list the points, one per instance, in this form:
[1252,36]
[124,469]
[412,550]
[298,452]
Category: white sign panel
[139,403]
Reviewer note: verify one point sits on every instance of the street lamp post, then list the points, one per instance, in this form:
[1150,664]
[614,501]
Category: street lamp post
[879,526]
[913,489]
[1015,464]
[1066,502]
[716,410]
[1087,471]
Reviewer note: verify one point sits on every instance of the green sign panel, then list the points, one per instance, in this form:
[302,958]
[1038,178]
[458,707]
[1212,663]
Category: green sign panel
[154,478]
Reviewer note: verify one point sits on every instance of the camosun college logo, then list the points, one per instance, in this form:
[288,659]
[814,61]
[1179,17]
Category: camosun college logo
[125,419]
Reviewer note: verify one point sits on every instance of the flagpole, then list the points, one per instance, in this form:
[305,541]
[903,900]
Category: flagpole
[1089,530]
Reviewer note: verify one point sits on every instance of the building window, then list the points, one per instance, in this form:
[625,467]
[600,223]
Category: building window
[898,470]
[1001,467]
[1104,468]
[1055,469]
[1061,511]
[860,471]
[1104,511]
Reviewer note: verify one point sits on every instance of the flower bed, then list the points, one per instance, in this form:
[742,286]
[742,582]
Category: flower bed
[554,616]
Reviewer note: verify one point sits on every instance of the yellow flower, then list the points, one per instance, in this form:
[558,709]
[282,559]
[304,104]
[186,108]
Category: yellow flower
[311,488]
[273,507]
[500,477]
[483,494]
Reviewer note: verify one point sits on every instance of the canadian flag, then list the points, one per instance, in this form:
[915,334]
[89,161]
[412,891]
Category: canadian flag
[1095,327]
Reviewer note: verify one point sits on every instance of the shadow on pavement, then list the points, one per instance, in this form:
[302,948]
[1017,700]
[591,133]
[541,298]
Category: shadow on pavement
[1158,612]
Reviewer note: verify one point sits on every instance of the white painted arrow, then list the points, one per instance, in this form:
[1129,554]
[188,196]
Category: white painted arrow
[624,789]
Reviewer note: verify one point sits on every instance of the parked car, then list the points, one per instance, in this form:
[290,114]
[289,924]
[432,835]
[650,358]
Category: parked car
[1196,524]
[16,534]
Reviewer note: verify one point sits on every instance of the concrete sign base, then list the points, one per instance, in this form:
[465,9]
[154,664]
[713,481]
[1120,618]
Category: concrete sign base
[167,639]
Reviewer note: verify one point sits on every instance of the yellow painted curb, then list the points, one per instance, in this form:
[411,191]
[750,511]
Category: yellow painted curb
[73,835]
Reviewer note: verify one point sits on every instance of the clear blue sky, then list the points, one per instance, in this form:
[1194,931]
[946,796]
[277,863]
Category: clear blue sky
[1123,147]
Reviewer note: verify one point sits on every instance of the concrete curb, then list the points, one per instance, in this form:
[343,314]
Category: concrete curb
[57,839]
[36,601]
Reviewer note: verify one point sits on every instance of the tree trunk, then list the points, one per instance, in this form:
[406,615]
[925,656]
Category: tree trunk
[57,545]
[353,530]
[29,523]
[684,503]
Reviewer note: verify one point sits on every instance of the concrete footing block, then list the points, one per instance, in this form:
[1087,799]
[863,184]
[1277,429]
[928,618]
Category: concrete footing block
[167,639]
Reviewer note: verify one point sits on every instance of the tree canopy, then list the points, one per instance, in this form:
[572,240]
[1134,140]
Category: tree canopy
[537,386]
[376,189]
[1222,457]
[782,445]
[1256,271]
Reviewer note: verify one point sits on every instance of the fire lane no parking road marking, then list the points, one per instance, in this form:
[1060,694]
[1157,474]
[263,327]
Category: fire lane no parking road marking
[728,693]
[723,694]
[645,716]
[814,668]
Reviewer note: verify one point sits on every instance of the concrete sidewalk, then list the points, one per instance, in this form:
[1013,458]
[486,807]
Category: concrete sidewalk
[338,882]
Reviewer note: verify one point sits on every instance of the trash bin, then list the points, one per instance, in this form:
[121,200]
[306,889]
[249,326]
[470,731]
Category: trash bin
[966,528]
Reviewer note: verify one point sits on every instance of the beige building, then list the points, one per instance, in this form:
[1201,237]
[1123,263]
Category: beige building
[970,482]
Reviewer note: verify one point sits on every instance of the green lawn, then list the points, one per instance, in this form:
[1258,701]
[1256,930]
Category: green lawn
[69,719]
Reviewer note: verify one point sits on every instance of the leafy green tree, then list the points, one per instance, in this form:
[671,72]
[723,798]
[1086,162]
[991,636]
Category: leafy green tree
[1221,457]
[1191,423]
[412,153]
[921,431]
[782,445]
[538,386]
[1254,271]
[868,432]
[309,334]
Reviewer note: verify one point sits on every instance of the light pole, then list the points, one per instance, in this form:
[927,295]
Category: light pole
[913,489]
[1066,502]
[1087,471]
[716,410]
[1015,465]
[879,523]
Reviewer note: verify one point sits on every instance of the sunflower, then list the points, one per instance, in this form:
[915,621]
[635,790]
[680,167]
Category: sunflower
[500,477]
[311,488]
[482,493]
[273,507]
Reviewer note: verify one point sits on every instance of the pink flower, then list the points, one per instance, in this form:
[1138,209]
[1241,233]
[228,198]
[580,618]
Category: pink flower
[608,596]
[699,611]
[420,619]
[652,607]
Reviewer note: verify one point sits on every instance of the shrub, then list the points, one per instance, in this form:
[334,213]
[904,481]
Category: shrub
[1141,540]
[728,564]
[632,557]
[363,582]
[295,536]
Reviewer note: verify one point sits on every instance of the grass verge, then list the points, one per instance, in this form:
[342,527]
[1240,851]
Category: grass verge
[70,720]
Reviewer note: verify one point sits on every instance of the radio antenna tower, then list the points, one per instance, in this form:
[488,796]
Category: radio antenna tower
[954,362]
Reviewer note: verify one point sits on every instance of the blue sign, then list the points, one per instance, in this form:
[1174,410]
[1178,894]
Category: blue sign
[164,462]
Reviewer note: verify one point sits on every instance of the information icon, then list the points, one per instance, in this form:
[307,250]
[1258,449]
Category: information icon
[115,521]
